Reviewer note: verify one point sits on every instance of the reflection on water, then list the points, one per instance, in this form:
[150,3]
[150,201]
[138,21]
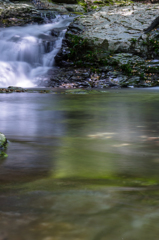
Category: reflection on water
[80,166]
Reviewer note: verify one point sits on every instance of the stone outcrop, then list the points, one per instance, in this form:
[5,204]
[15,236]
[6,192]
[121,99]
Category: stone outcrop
[119,42]
[21,13]
[117,28]
[18,14]
[63,6]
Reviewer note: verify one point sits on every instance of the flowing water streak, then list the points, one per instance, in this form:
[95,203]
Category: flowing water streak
[27,53]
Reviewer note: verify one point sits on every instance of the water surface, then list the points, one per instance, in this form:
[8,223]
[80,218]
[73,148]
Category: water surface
[80,166]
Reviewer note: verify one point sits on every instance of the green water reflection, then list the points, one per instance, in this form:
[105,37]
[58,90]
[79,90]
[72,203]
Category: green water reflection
[86,167]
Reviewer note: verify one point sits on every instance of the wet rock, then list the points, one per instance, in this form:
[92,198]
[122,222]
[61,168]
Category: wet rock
[70,9]
[81,78]
[18,14]
[47,37]
[55,33]
[61,59]
[60,6]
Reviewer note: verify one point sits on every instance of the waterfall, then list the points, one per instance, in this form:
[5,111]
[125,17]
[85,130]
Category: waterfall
[27,53]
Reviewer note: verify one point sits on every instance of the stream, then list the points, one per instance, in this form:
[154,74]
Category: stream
[27,53]
[80,166]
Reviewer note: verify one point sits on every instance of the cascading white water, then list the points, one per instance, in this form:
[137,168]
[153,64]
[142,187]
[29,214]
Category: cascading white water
[27,53]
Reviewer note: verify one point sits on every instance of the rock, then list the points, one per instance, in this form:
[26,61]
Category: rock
[127,58]
[73,8]
[66,1]
[60,6]
[70,9]
[18,14]
[154,24]
[117,28]
[116,35]
[152,67]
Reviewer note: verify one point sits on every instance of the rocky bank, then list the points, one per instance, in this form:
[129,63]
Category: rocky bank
[111,46]
[19,13]
[119,43]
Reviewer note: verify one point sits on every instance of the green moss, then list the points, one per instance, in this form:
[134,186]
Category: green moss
[83,4]
[98,2]
[94,7]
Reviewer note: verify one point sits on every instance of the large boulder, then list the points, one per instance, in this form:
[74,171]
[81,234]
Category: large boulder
[119,28]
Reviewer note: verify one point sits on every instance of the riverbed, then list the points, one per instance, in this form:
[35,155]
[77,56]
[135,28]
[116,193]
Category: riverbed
[80,165]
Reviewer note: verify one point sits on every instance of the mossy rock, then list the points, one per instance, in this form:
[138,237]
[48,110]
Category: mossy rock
[2,155]
[3,141]
[3,144]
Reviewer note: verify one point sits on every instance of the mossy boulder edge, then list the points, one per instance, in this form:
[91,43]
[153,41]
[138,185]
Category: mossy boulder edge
[3,141]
